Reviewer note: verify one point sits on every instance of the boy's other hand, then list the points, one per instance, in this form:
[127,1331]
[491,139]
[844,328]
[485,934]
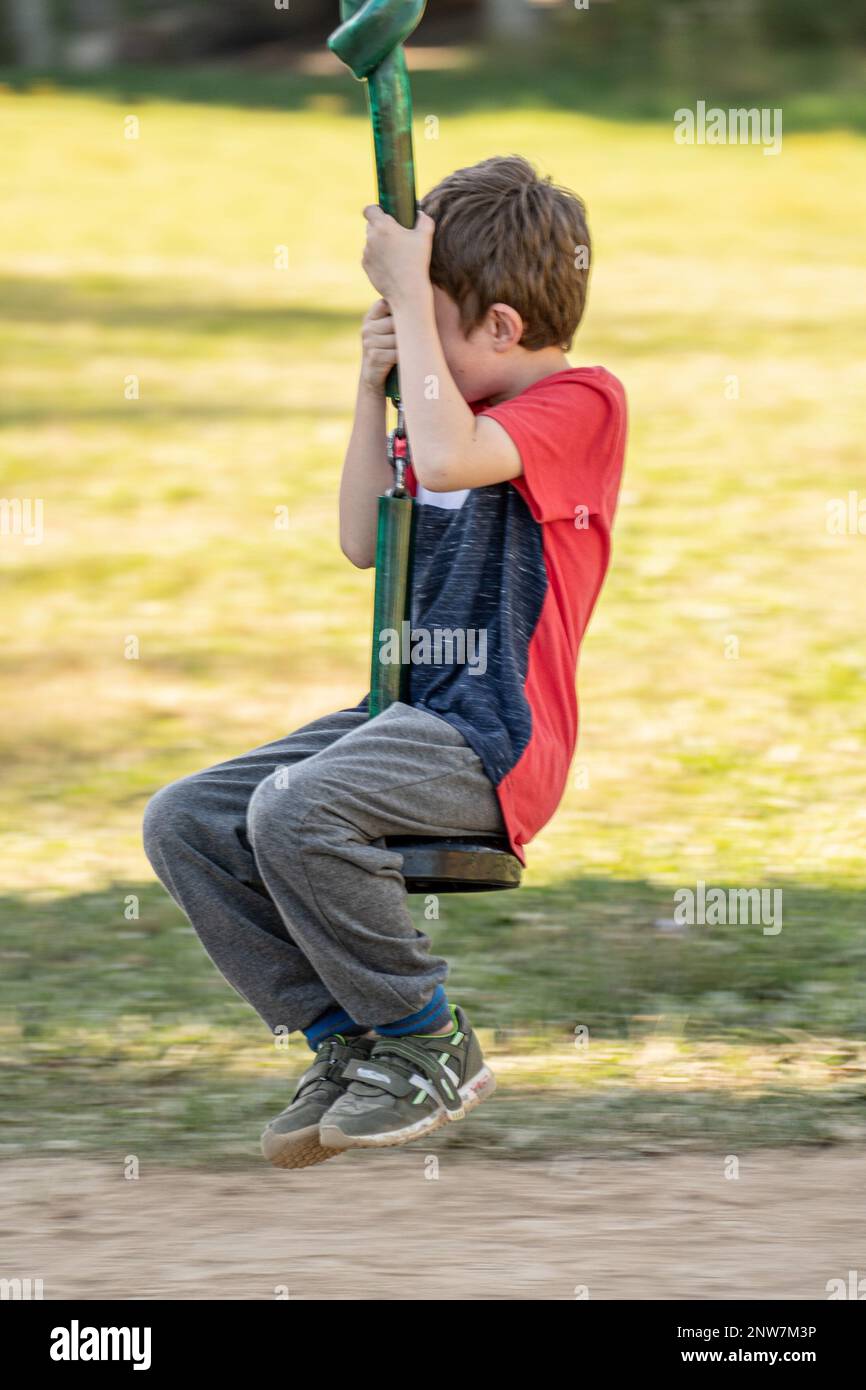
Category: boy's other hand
[397,259]
[379,345]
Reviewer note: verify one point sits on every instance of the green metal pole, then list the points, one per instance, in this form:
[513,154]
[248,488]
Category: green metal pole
[369,41]
[388,677]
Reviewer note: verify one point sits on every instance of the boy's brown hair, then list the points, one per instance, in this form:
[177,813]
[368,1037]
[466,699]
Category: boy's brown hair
[505,234]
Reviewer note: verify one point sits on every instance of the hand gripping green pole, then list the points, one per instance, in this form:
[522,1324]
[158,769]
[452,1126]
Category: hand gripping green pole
[369,41]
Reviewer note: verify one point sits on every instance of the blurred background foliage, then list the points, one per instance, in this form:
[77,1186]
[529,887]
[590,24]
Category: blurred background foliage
[95,33]
[620,58]
[98,31]
[215,259]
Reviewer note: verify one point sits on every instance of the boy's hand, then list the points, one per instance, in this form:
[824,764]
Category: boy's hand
[379,345]
[397,259]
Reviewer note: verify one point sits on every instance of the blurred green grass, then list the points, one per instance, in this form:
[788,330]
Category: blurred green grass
[738,762]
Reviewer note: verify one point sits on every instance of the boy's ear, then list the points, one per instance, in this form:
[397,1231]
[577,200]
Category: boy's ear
[505,327]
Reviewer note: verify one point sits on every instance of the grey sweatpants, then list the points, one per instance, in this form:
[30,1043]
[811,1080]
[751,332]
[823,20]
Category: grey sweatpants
[276,859]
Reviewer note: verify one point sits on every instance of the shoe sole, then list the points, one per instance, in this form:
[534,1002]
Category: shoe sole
[472,1093]
[300,1149]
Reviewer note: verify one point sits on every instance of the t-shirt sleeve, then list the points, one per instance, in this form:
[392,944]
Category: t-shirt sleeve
[568,432]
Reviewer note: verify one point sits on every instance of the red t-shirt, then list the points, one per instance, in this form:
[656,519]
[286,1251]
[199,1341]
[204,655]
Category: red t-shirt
[524,561]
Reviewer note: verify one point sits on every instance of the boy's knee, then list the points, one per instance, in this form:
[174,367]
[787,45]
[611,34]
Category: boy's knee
[281,808]
[268,812]
[169,818]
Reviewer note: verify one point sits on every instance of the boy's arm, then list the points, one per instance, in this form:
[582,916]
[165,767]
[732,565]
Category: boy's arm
[451,448]
[366,470]
[366,475]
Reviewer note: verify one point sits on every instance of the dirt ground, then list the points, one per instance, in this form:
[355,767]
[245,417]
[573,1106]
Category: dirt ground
[376,1226]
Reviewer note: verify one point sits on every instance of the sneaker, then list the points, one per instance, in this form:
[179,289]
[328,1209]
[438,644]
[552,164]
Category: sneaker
[408,1087]
[292,1139]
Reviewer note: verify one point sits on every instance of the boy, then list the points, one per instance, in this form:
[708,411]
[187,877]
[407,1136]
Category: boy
[277,856]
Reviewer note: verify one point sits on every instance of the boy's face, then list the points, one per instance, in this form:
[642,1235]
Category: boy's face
[476,361]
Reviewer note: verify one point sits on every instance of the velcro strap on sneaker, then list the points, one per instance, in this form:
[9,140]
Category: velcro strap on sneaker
[313,1073]
[432,1075]
[378,1075]
[331,1063]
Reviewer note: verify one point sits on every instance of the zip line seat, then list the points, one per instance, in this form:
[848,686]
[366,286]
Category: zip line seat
[468,864]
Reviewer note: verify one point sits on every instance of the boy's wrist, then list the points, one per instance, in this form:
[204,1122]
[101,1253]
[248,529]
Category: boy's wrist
[373,391]
[417,294]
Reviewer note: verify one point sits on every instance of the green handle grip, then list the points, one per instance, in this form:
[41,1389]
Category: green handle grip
[369,42]
[390,605]
[372,29]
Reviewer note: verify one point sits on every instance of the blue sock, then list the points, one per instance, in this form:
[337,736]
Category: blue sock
[430,1019]
[332,1021]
